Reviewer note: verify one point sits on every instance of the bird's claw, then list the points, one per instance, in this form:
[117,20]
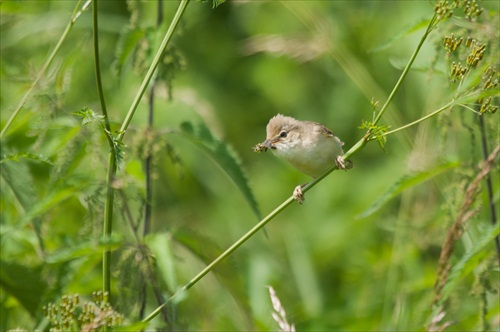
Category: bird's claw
[298,195]
[343,164]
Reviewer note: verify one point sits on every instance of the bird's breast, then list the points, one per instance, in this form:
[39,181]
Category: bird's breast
[312,157]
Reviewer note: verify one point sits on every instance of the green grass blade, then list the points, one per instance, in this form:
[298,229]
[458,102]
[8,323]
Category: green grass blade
[404,183]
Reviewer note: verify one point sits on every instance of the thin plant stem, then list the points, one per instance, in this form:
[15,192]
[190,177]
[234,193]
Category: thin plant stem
[224,255]
[430,27]
[170,32]
[76,14]
[430,115]
[489,185]
[112,165]
[148,167]
[110,191]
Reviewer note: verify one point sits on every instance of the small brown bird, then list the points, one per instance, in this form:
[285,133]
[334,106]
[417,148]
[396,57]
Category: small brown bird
[309,146]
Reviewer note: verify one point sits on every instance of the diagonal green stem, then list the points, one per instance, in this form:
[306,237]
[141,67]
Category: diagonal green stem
[76,14]
[430,27]
[170,32]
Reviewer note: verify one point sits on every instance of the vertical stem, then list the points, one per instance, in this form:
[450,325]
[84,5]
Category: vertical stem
[110,192]
[489,185]
[108,222]
[148,163]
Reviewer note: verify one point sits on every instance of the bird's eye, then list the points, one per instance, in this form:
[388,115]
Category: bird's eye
[283,134]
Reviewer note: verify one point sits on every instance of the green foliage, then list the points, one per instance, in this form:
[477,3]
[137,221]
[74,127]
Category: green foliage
[470,261]
[88,116]
[377,132]
[405,183]
[222,71]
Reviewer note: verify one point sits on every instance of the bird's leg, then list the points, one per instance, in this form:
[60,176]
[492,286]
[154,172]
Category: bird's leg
[298,195]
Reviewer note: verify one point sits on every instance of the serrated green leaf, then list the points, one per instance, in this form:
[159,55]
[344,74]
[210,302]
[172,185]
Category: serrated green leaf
[470,260]
[224,156]
[25,155]
[88,115]
[404,183]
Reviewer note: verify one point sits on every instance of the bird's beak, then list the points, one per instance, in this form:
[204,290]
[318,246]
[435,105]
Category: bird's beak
[268,143]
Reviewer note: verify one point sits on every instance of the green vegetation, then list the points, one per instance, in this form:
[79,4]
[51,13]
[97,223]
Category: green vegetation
[131,198]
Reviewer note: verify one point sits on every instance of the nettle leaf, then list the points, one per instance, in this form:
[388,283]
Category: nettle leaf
[224,156]
[25,155]
[19,179]
[404,183]
[88,115]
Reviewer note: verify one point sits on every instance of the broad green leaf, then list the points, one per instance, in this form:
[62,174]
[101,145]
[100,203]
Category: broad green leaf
[18,177]
[470,260]
[20,181]
[404,183]
[25,284]
[48,202]
[224,156]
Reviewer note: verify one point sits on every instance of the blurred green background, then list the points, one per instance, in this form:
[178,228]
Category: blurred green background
[232,68]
